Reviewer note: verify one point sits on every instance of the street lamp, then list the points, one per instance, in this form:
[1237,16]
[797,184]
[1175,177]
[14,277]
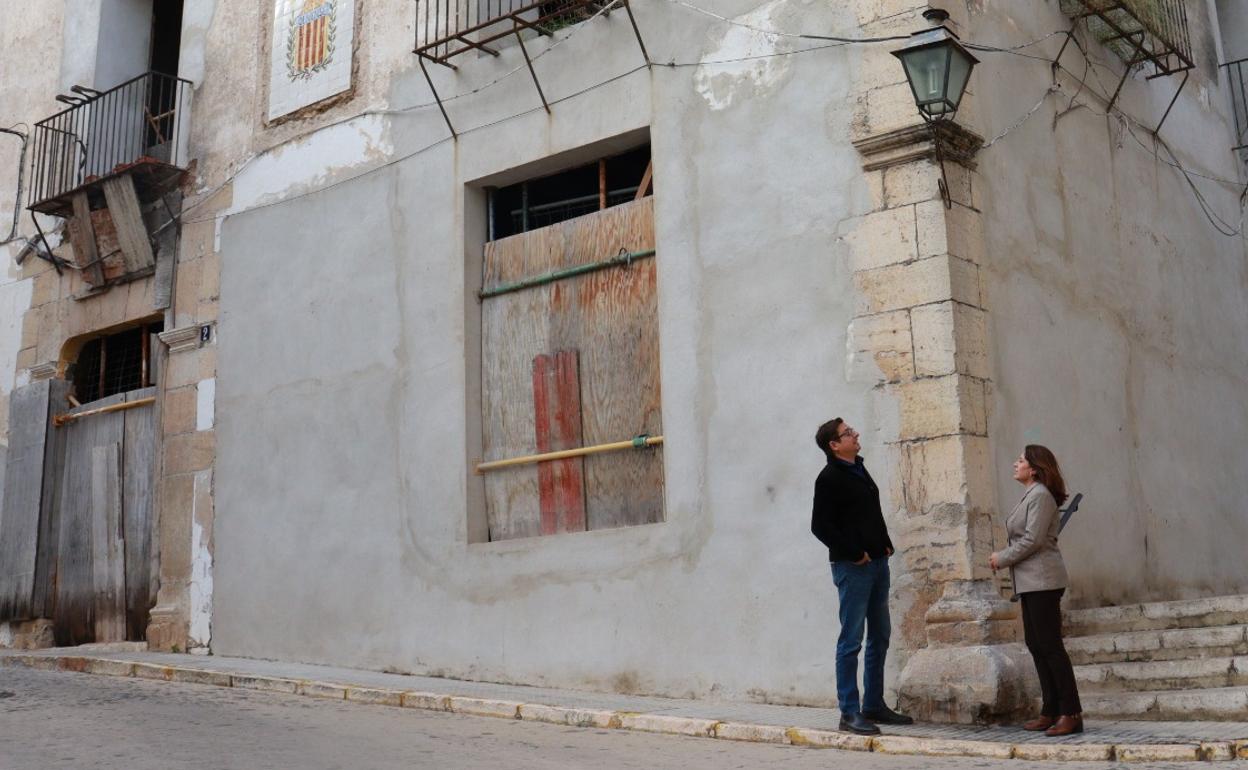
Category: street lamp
[937,68]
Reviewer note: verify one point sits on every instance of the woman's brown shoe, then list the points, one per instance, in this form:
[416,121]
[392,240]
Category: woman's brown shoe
[1066,725]
[1039,724]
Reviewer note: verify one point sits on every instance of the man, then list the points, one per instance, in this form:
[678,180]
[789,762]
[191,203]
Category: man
[848,520]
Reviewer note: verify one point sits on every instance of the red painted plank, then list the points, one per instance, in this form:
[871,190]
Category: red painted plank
[557,424]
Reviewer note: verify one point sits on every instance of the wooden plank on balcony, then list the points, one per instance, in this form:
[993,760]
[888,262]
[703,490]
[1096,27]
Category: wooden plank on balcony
[123,205]
[82,237]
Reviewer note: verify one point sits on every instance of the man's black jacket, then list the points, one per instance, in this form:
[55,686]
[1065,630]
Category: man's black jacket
[847,516]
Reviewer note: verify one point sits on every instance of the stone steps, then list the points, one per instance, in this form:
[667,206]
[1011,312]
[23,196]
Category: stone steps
[1168,644]
[1180,660]
[1221,704]
[1193,674]
[1158,616]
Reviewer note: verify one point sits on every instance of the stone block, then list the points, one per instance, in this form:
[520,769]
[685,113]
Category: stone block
[958,231]
[948,470]
[207,312]
[927,281]
[265,683]
[1241,749]
[1064,752]
[663,723]
[210,277]
[178,410]
[47,288]
[1216,752]
[182,369]
[189,452]
[885,109]
[186,292]
[323,690]
[940,747]
[880,238]
[200,676]
[880,348]
[110,667]
[736,731]
[140,298]
[934,547]
[32,322]
[428,701]
[875,188]
[153,671]
[558,715]
[910,183]
[826,739]
[177,499]
[1153,752]
[941,406]
[26,358]
[967,685]
[375,695]
[950,337]
[486,707]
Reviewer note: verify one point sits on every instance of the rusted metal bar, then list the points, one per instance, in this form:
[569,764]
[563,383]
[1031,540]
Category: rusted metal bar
[421,60]
[527,60]
[62,419]
[639,442]
[1157,130]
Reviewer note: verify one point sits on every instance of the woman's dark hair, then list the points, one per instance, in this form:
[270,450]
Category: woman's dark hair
[1047,471]
[829,431]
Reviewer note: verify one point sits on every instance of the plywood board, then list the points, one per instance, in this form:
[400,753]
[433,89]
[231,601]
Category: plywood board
[50,506]
[82,236]
[609,317]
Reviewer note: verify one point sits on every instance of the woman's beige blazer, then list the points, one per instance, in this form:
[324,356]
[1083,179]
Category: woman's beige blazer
[1032,555]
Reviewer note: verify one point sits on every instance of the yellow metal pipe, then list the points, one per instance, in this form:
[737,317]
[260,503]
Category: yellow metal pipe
[635,443]
[61,419]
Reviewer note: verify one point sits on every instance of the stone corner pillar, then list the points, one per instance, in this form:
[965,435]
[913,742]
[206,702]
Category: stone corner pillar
[921,334]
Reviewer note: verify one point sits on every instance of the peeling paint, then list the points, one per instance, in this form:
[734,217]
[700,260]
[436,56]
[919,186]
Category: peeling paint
[721,85]
[201,569]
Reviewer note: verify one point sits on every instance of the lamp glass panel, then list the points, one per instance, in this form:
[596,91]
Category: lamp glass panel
[926,68]
[959,73]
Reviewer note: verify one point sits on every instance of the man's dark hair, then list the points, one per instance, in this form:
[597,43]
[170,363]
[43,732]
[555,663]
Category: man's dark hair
[829,431]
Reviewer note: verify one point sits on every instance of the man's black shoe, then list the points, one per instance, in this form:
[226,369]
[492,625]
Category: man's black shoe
[857,723]
[887,716]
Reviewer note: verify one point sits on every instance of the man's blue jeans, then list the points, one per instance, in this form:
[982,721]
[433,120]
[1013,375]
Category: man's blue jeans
[864,604]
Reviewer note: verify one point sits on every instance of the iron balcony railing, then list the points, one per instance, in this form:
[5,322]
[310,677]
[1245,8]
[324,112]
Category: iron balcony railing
[447,28]
[1140,31]
[143,121]
[1239,103]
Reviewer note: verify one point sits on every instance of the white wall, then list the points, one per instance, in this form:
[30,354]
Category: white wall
[1118,315]
[342,472]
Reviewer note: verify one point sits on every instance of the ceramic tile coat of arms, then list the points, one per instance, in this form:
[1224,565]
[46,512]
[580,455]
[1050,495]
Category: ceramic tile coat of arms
[311,52]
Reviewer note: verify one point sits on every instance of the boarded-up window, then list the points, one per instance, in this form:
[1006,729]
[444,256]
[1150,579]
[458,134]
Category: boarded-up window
[572,360]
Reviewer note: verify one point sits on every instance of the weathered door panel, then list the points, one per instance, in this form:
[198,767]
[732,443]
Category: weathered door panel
[23,519]
[75,615]
[138,503]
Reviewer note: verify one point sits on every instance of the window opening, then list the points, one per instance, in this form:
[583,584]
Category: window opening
[164,58]
[545,201]
[115,363]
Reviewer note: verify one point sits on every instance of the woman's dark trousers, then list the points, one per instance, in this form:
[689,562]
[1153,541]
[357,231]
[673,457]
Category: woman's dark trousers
[1042,630]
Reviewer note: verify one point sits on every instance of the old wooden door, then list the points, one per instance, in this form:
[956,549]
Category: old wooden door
[78,524]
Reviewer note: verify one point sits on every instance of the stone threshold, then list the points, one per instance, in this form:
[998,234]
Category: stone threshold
[610,711]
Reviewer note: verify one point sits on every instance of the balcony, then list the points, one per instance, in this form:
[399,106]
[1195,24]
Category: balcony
[447,28]
[1140,32]
[138,129]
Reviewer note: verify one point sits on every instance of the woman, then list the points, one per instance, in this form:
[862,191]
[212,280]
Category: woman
[1040,580]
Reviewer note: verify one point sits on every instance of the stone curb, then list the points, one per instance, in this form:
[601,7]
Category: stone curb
[653,723]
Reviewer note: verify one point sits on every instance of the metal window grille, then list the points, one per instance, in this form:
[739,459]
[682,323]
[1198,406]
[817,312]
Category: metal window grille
[115,363]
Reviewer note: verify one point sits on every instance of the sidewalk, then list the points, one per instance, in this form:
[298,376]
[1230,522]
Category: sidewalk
[1120,740]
